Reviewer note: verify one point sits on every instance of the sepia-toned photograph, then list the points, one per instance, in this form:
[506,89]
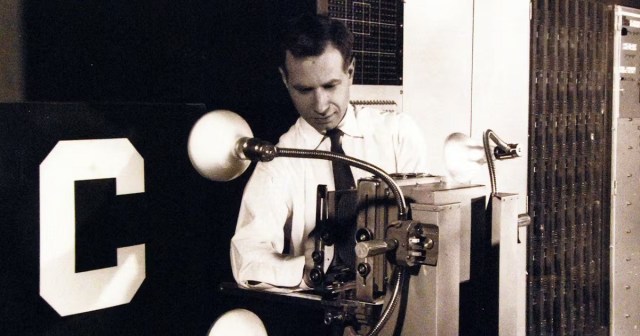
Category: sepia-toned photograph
[320,167]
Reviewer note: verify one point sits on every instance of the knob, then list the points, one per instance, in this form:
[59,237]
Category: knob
[316,276]
[316,256]
[364,269]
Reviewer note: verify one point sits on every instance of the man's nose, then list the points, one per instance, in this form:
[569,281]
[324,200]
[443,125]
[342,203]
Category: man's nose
[321,102]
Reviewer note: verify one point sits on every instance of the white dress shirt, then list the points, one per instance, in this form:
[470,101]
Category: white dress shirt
[281,194]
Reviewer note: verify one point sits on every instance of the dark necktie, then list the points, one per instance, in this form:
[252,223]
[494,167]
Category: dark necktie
[342,175]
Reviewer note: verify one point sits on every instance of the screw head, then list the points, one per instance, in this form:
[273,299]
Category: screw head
[429,243]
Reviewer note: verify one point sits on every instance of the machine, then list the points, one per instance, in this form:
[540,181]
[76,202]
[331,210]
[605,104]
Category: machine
[395,254]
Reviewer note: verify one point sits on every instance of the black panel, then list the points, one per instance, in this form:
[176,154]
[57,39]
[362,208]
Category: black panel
[164,222]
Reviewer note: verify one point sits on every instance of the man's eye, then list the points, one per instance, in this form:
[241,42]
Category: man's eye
[329,87]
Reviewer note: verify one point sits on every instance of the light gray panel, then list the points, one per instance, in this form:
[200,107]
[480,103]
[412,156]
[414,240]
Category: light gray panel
[625,262]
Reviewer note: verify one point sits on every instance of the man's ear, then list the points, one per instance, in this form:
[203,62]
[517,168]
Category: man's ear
[283,74]
[352,68]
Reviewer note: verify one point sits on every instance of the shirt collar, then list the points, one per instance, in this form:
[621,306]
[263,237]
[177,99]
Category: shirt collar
[349,125]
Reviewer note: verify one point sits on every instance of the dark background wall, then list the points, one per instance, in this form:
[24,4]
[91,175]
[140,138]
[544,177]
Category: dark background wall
[219,53]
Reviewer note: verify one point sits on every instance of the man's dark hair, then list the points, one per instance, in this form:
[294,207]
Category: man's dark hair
[309,35]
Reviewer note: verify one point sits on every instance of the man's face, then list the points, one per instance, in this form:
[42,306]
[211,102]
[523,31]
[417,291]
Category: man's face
[319,87]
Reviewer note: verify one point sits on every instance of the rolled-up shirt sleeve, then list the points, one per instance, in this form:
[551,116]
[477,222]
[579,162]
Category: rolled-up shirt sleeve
[258,243]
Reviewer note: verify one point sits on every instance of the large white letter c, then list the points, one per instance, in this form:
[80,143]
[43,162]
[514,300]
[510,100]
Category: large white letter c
[65,290]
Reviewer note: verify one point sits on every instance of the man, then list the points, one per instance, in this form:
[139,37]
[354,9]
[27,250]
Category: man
[280,198]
